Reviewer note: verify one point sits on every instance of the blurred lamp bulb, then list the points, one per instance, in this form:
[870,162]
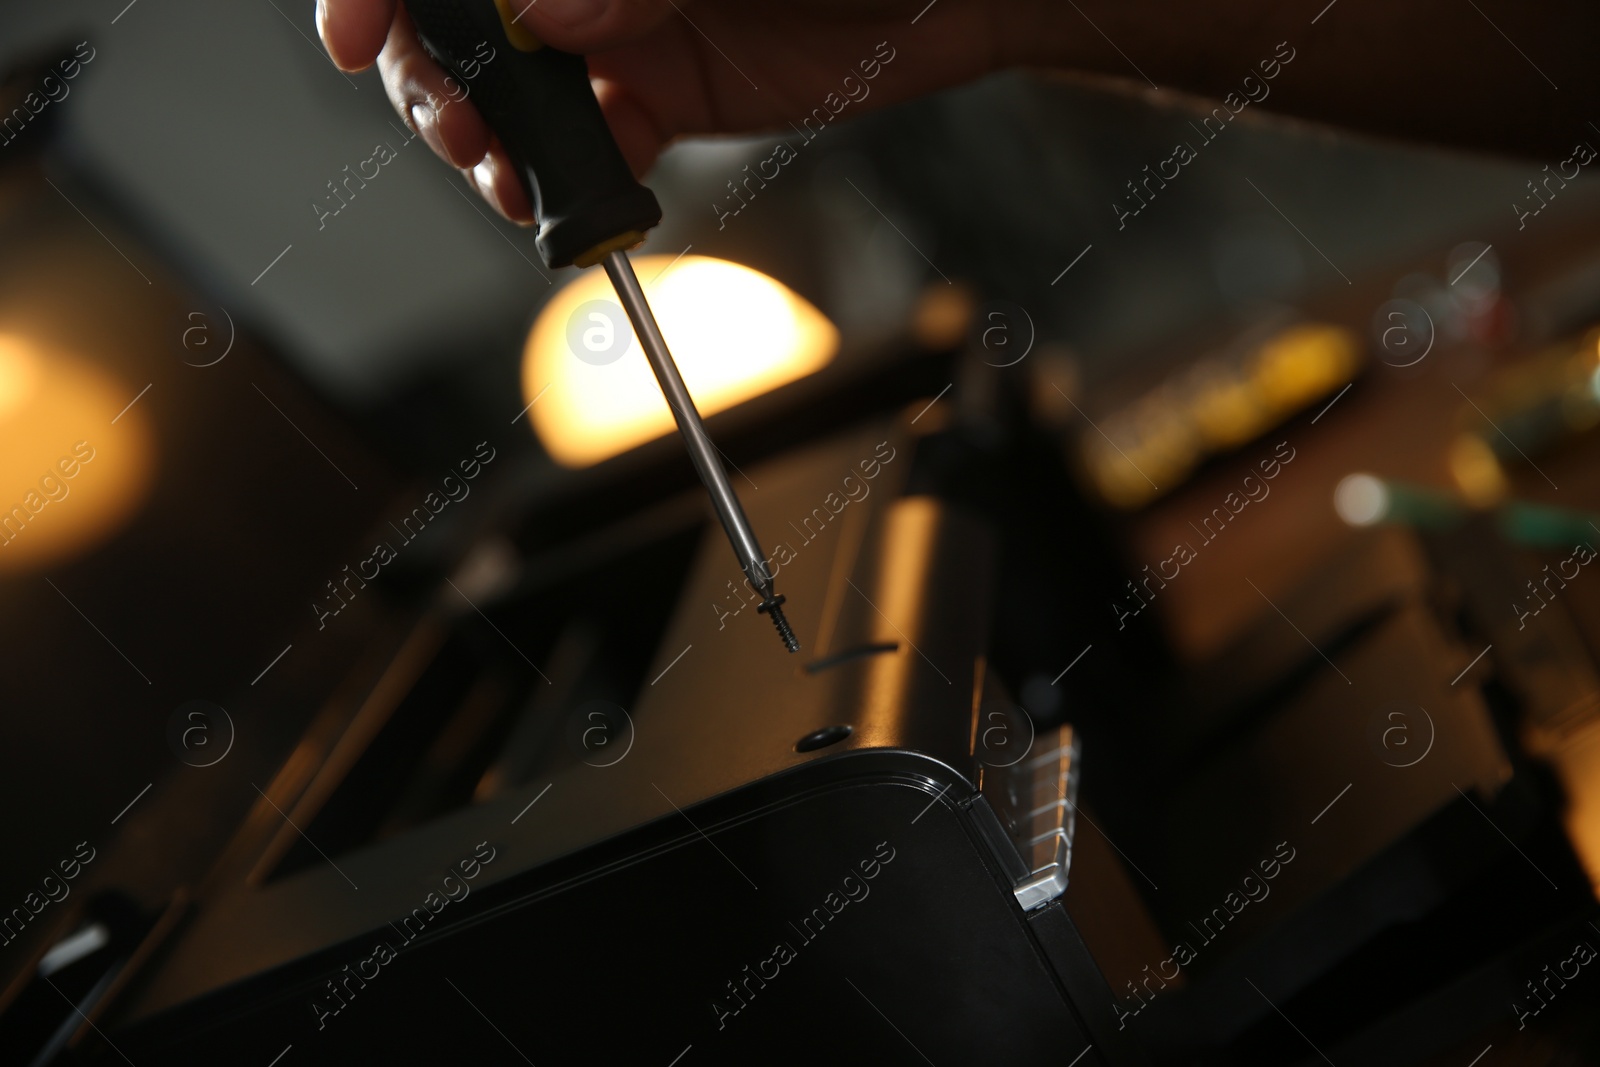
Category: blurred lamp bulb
[76,457]
[19,374]
[734,332]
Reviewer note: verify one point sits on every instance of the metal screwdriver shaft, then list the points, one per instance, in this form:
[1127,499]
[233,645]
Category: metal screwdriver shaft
[701,451]
[539,103]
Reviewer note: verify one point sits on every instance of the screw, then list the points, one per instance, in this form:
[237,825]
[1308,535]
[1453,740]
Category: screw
[774,607]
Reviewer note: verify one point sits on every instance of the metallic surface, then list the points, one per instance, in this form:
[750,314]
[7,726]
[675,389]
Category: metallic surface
[1042,825]
[714,830]
[707,461]
[726,729]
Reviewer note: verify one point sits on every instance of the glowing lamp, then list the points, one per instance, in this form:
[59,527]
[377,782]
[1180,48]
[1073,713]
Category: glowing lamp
[735,334]
[75,458]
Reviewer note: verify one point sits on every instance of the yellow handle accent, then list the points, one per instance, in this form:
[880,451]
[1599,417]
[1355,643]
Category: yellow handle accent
[622,241]
[516,32]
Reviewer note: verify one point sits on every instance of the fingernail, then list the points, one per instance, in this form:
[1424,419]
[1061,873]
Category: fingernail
[571,13]
[426,122]
[483,178]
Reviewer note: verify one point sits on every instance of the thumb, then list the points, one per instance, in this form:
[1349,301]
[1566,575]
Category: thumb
[589,25]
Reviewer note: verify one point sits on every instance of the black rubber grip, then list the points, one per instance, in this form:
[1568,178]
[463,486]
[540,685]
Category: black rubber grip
[542,108]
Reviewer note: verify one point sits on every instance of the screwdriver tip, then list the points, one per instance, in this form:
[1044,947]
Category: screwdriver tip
[774,606]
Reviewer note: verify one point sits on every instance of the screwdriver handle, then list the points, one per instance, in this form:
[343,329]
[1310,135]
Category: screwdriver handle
[538,101]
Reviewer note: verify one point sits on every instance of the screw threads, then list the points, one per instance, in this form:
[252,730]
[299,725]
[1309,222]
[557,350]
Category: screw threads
[774,607]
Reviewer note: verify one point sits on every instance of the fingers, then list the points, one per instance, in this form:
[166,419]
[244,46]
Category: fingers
[433,103]
[439,107]
[353,31]
[632,124]
[591,25]
[497,182]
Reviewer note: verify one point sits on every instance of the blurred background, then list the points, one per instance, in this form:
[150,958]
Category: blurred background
[259,381]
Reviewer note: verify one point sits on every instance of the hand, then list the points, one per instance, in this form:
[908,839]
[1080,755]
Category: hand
[660,76]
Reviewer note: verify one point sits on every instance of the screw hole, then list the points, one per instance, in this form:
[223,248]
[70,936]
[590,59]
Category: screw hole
[828,735]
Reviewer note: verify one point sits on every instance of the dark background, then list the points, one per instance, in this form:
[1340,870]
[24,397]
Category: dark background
[197,141]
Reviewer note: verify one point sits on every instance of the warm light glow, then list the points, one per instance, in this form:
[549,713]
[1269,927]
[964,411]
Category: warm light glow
[1574,754]
[1139,452]
[1477,471]
[1304,362]
[19,375]
[69,476]
[734,332]
[943,316]
[1227,409]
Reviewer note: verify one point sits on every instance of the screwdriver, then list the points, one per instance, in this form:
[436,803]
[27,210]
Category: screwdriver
[590,210]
